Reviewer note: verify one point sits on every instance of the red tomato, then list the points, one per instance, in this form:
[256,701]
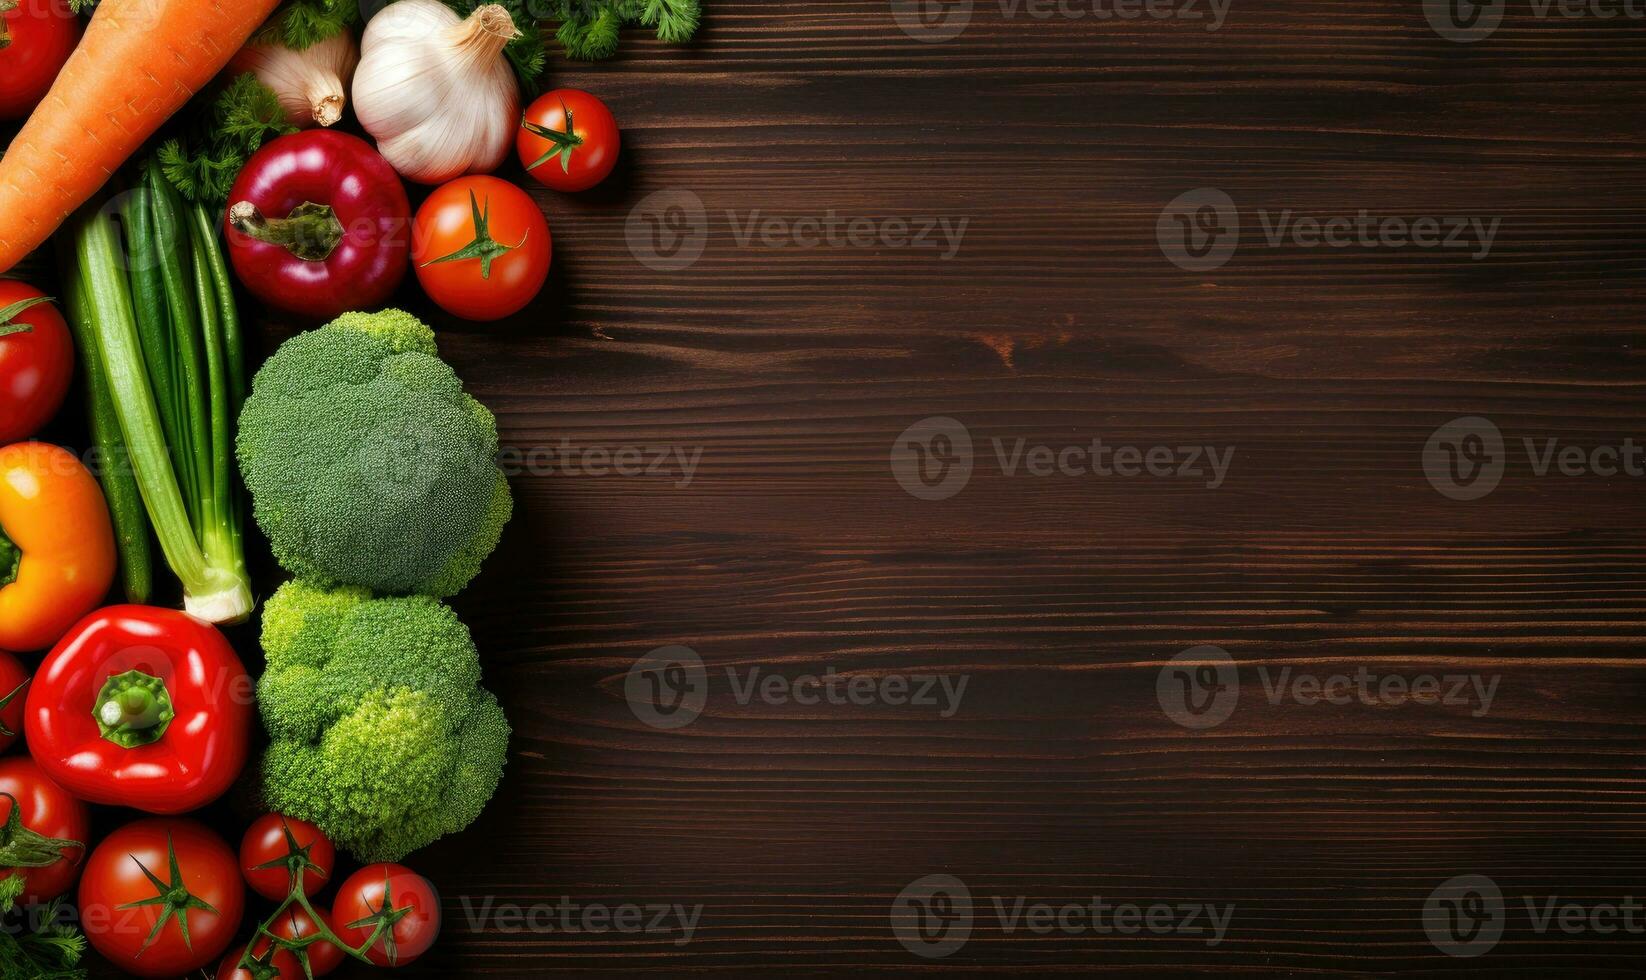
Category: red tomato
[36,354]
[179,861]
[48,816]
[568,140]
[266,846]
[294,923]
[13,675]
[36,39]
[373,892]
[283,963]
[481,248]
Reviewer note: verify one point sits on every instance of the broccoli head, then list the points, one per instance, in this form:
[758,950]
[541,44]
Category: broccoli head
[368,464]
[380,732]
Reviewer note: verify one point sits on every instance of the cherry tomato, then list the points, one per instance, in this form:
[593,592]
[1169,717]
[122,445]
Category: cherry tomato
[47,816]
[13,675]
[481,248]
[372,892]
[36,355]
[266,846]
[37,37]
[568,140]
[294,923]
[282,962]
[179,861]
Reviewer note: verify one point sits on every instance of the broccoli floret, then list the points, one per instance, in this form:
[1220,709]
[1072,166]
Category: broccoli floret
[380,732]
[368,464]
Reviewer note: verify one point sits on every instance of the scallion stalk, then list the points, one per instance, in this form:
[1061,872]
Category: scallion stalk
[193,504]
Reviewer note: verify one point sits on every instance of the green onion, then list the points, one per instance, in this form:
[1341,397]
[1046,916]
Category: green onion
[165,331]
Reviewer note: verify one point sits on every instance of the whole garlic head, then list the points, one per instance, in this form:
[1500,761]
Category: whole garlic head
[435,90]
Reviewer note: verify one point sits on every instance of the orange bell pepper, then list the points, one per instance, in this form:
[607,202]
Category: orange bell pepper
[57,556]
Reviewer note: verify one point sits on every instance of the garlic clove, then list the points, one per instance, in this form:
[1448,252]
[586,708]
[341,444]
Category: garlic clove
[312,84]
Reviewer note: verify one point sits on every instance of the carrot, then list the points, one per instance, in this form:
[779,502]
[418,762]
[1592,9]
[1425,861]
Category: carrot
[139,62]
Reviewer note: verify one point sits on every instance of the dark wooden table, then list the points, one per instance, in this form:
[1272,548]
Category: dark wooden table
[794,367]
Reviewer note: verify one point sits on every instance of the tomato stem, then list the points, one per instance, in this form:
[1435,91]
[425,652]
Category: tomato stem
[564,142]
[297,863]
[6,6]
[484,247]
[311,232]
[21,847]
[172,897]
[5,703]
[9,314]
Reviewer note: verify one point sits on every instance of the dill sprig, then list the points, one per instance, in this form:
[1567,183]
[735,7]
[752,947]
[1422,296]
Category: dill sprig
[52,951]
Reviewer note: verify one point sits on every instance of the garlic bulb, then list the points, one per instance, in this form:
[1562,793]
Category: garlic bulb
[312,83]
[435,90]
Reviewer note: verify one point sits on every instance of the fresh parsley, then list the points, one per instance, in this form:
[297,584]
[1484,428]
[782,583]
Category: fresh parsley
[299,24]
[219,135]
[589,28]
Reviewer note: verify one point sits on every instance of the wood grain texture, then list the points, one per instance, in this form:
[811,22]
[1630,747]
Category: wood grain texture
[793,549]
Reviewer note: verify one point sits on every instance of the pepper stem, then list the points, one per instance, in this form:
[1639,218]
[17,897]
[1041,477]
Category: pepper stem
[6,6]
[11,559]
[133,709]
[311,232]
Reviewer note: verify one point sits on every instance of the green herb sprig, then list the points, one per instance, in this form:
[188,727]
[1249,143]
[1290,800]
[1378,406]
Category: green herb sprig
[300,24]
[50,951]
[589,28]
[220,137]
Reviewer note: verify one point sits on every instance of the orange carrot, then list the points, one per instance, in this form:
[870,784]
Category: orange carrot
[139,62]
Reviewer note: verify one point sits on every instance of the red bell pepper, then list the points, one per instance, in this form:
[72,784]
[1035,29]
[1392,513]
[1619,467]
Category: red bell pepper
[318,224]
[141,707]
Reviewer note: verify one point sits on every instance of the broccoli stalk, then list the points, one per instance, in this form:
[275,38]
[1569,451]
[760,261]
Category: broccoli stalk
[170,348]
